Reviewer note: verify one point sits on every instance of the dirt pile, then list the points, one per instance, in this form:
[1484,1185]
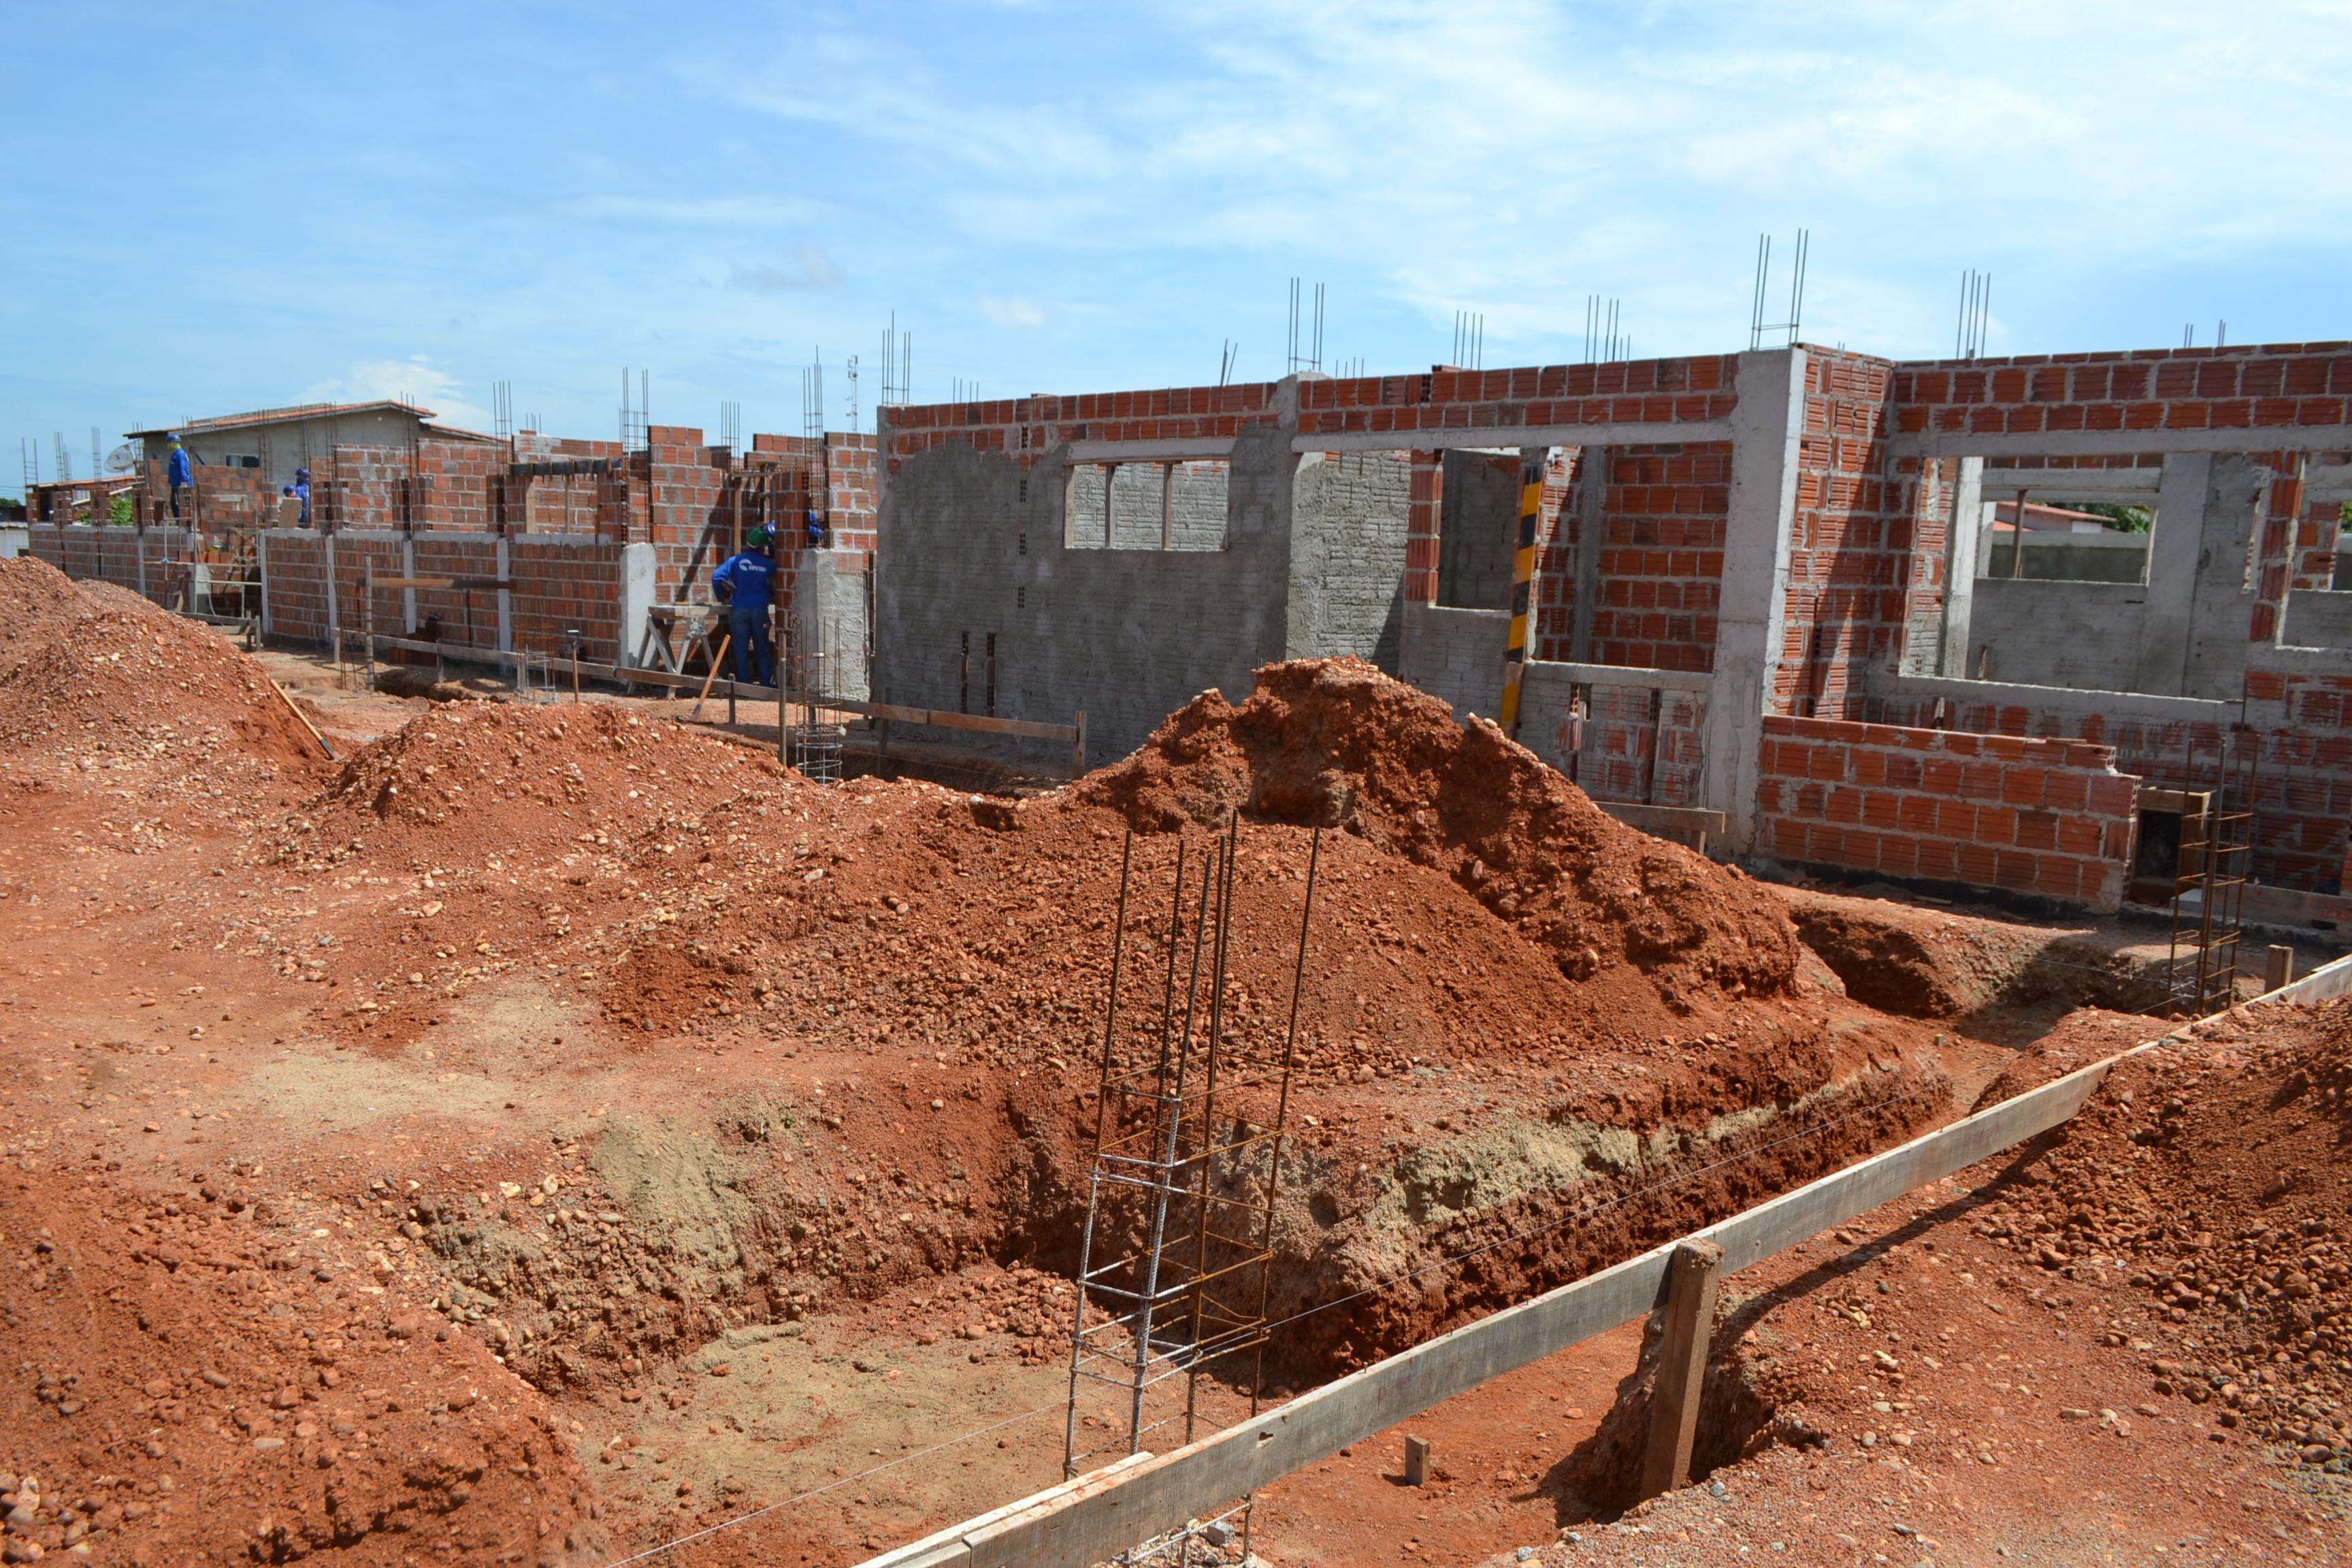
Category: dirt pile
[185,1386]
[1335,741]
[96,666]
[503,779]
[2210,1174]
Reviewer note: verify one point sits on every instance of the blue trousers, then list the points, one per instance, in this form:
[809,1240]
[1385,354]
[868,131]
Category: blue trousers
[748,627]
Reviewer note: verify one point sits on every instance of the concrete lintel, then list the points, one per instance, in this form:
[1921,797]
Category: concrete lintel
[1188,449]
[2066,701]
[1638,676]
[2119,443]
[1505,437]
[2084,484]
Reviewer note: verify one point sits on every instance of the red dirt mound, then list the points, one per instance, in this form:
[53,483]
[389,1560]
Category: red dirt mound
[498,778]
[1337,741]
[185,1388]
[97,665]
[2209,1175]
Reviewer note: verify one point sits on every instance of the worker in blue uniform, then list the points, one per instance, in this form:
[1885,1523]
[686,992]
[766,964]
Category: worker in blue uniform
[177,472]
[746,584]
[302,493]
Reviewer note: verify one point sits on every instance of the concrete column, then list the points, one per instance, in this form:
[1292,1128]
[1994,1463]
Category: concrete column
[2220,613]
[334,613]
[2174,545]
[506,595]
[1751,624]
[408,595]
[1960,567]
[261,569]
[1591,501]
[637,600]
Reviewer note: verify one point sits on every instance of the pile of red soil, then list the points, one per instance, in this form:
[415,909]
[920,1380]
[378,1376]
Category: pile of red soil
[1337,743]
[96,665]
[509,779]
[185,1386]
[2210,1174]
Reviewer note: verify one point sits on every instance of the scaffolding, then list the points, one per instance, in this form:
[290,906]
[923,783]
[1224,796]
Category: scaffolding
[2212,866]
[1176,1261]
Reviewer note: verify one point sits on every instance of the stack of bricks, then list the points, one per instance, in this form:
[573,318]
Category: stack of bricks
[2048,818]
[1641,744]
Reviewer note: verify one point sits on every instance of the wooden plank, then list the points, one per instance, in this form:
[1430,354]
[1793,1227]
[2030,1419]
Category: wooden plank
[1669,818]
[944,721]
[471,583]
[1682,1367]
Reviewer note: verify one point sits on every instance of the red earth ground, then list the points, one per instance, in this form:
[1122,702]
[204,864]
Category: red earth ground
[545,1132]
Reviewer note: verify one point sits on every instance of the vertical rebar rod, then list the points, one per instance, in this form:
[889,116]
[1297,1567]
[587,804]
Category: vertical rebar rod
[1094,1189]
[1171,1106]
[1207,1119]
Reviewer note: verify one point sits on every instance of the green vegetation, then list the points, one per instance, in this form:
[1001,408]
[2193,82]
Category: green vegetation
[122,513]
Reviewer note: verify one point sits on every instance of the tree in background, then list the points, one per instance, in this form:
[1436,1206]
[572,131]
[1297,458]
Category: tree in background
[2124,519]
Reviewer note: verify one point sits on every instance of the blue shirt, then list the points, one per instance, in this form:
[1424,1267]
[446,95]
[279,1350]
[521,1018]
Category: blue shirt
[750,577]
[176,467]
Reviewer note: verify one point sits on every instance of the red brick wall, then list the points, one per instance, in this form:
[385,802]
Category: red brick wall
[2302,787]
[1649,391]
[2047,817]
[2249,388]
[296,572]
[1866,545]
[1661,568]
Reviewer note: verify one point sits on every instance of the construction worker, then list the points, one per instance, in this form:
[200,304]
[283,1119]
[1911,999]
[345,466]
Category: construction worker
[302,493]
[745,584]
[178,473]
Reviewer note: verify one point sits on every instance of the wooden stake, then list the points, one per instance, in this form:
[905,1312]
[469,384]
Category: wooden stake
[1682,1365]
[716,660]
[2279,969]
[1416,1461]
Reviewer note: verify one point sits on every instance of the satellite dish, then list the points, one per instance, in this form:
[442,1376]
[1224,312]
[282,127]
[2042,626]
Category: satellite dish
[122,460]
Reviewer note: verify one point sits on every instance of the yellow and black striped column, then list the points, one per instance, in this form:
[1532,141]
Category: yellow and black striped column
[1523,578]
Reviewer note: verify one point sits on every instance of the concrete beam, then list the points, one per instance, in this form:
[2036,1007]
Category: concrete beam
[1187,449]
[2073,484]
[1647,679]
[1751,620]
[2120,443]
[1504,438]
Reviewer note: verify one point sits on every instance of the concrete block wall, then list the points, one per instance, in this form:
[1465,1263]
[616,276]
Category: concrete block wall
[1479,531]
[1348,516]
[1456,654]
[2042,817]
[1196,500]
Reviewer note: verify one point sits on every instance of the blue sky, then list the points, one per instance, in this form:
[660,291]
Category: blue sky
[234,206]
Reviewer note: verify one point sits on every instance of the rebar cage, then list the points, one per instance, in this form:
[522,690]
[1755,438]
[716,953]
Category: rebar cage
[1175,1264]
[2217,846]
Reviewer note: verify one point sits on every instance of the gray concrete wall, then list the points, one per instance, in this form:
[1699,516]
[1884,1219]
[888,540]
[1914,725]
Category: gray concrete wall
[1196,504]
[1350,514]
[2317,617]
[2081,635]
[2053,557]
[1457,655]
[1477,531]
[971,544]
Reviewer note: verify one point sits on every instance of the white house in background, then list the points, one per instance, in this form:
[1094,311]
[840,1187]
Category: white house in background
[279,440]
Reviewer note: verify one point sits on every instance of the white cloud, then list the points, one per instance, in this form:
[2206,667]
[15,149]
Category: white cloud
[413,380]
[1012,314]
[808,267]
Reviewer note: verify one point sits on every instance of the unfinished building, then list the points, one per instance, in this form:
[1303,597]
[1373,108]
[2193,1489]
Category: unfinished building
[1763,607]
